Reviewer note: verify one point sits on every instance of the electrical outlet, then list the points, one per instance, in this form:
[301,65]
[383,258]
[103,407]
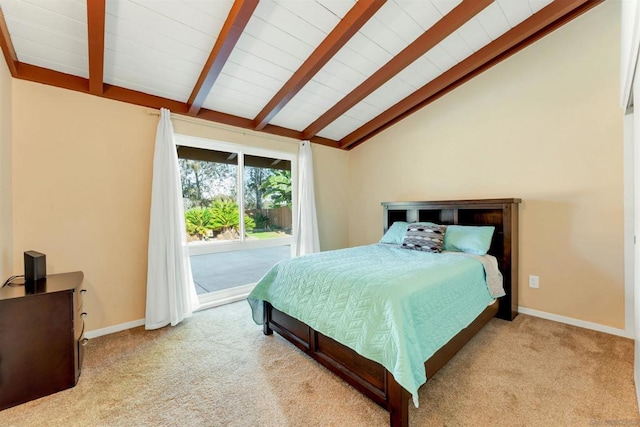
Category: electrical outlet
[534,281]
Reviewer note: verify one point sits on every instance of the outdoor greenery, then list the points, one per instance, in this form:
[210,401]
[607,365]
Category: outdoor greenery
[203,181]
[199,222]
[278,187]
[262,221]
[209,191]
[221,217]
[254,191]
[266,234]
[226,216]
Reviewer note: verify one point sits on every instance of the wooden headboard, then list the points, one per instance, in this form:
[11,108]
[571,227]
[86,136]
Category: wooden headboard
[501,213]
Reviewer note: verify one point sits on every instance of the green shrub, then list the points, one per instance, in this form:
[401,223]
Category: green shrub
[261,221]
[249,223]
[226,217]
[199,221]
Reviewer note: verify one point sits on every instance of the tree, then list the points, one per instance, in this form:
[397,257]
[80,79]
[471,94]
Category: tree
[254,179]
[194,176]
[278,188]
[202,181]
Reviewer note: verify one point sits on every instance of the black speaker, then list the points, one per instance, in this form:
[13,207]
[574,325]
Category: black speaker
[35,266]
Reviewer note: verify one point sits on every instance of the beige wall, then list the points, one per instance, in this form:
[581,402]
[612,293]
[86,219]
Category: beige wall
[331,172]
[82,184]
[81,181]
[545,126]
[6,203]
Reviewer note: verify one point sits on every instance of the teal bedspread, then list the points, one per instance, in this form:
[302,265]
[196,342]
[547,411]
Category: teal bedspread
[391,305]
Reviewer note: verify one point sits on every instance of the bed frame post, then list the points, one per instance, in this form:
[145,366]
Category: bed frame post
[398,403]
[266,317]
[509,303]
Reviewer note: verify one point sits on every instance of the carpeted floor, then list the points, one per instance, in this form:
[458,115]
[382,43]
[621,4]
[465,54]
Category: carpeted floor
[218,369]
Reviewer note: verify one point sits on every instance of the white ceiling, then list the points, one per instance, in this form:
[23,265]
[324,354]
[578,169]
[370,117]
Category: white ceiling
[160,47]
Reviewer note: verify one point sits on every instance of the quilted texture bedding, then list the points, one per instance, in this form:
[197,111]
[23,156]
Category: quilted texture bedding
[391,305]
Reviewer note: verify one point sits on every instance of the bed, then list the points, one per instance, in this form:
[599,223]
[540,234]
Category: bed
[339,348]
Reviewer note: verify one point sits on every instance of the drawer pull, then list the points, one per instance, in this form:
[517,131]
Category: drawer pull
[82,291]
[84,341]
[83,315]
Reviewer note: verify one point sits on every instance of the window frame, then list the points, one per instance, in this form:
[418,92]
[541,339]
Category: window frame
[200,248]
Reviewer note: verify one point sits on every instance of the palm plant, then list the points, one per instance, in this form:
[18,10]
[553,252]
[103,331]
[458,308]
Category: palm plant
[224,213]
[198,222]
[226,216]
[249,223]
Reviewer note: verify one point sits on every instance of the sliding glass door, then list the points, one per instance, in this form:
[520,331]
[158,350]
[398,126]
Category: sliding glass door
[238,204]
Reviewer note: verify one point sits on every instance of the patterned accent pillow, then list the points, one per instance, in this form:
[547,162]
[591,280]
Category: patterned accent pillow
[427,238]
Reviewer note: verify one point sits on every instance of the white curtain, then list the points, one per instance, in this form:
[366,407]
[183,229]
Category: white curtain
[306,230]
[171,295]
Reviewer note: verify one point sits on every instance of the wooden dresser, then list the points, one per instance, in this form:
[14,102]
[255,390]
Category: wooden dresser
[41,338]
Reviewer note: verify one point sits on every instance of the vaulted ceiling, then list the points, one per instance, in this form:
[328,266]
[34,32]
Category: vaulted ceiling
[336,72]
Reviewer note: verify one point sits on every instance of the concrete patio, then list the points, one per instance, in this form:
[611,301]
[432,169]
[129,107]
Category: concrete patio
[218,271]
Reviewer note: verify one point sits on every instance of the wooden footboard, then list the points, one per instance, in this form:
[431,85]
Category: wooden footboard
[367,376]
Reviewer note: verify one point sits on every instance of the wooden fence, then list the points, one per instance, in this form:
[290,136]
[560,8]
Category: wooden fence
[280,218]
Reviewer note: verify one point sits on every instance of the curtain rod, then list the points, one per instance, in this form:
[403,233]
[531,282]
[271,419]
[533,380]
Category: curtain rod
[221,126]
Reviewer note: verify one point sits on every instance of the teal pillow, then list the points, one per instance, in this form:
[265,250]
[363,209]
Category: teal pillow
[470,239]
[395,233]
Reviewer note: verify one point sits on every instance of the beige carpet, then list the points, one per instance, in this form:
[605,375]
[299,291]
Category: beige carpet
[218,369]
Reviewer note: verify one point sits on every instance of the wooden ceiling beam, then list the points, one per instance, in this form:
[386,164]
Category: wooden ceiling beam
[36,74]
[7,47]
[532,29]
[434,35]
[96,15]
[350,24]
[130,96]
[241,122]
[79,84]
[236,21]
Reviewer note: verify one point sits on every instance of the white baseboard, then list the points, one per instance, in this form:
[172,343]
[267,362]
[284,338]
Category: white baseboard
[524,310]
[575,322]
[212,300]
[113,329]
